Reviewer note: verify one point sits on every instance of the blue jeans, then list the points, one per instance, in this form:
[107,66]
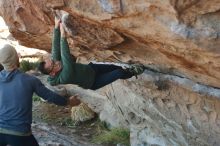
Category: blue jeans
[12,140]
[107,73]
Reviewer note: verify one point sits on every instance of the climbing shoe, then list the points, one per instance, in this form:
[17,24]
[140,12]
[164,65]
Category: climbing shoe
[135,69]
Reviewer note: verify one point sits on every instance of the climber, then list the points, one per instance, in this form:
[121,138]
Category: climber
[16,91]
[63,70]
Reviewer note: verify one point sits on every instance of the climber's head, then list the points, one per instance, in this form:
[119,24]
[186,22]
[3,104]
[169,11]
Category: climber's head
[49,67]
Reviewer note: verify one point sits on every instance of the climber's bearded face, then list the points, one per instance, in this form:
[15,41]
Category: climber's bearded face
[49,65]
[52,67]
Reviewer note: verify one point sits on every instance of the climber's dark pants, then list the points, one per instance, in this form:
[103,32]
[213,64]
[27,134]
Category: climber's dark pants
[107,73]
[12,140]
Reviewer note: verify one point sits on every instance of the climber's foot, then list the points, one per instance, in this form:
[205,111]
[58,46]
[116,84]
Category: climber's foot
[135,69]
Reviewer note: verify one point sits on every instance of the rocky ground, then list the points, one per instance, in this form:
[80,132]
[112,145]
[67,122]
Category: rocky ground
[52,126]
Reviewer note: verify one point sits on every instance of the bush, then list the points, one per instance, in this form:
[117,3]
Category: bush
[36,98]
[113,136]
[26,65]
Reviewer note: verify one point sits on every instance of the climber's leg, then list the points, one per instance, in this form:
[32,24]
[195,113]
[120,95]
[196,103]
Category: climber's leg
[104,68]
[109,77]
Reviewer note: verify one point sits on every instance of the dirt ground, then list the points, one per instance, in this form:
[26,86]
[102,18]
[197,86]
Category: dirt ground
[52,126]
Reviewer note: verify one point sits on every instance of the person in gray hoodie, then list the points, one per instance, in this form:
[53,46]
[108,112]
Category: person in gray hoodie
[16,91]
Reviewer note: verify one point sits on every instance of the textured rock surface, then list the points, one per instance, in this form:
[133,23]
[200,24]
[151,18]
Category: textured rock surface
[82,113]
[184,35]
[177,101]
[158,109]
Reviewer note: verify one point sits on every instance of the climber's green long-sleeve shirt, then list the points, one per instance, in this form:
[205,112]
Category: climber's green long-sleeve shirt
[72,72]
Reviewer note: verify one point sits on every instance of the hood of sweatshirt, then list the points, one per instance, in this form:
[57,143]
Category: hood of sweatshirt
[7,76]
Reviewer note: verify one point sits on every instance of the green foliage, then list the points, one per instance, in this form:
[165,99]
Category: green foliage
[113,136]
[101,127]
[36,98]
[26,65]
[67,122]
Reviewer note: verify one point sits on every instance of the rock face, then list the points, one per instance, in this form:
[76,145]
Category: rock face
[176,101]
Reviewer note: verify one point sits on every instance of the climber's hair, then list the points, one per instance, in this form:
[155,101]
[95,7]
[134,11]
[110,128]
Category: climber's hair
[1,67]
[41,68]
